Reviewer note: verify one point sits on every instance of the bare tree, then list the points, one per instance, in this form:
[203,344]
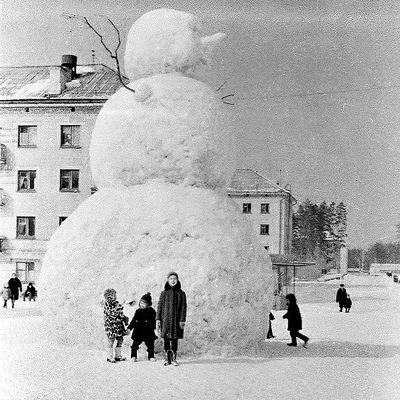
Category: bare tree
[113,55]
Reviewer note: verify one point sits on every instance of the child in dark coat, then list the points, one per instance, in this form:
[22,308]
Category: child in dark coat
[142,325]
[171,316]
[294,321]
[114,325]
[348,303]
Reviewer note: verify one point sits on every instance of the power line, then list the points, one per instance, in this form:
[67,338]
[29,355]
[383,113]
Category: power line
[318,93]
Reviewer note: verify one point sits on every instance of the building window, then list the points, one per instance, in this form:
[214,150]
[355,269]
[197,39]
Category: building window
[69,180]
[246,208]
[264,229]
[26,271]
[264,208]
[27,135]
[25,227]
[61,220]
[26,180]
[70,135]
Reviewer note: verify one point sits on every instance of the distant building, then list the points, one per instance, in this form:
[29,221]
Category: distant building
[384,268]
[267,205]
[47,114]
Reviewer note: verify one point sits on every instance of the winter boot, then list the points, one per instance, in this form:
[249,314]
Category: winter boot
[118,356]
[110,357]
[173,361]
[167,359]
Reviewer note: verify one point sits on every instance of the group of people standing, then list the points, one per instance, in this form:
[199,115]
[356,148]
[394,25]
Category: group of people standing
[169,322]
[12,290]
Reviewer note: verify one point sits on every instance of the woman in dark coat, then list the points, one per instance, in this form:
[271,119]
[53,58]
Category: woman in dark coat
[171,316]
[15,286]
[294,321]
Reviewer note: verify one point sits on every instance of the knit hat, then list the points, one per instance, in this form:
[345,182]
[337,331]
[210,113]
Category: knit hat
[110,294]
[173,273]
[146,298]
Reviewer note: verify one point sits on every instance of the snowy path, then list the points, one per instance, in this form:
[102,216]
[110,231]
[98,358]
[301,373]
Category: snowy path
[351,356]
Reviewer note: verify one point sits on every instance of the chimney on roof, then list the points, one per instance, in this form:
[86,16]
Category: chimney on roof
[59,76]
[68,66]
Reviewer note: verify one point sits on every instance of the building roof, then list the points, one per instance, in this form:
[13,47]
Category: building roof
[93,82]
[249,181]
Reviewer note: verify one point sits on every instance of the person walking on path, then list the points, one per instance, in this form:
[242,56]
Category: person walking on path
[114,325]
[6,294]
[293,316]
[348,303]
[15,286]
[142,326]
[171,316]
[341,297]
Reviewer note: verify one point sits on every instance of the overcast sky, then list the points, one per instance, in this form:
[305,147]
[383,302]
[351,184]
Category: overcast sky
[316,83]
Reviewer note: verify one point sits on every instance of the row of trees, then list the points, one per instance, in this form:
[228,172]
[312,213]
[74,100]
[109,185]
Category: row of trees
[319,230]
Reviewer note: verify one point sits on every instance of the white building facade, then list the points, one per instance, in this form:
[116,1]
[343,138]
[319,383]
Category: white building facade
[46,118]
[268,206]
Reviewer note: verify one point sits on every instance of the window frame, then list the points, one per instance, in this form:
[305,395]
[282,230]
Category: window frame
[28,179]
[71,178]
[267,207]
[25,271]
[264,229]
[31,136]
[246,208]
[30,226]
[75,136]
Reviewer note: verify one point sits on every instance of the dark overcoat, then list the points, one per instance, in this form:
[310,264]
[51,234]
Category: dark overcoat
[143,324]
[341,296]
[171,310]
[15,286]
[294,318]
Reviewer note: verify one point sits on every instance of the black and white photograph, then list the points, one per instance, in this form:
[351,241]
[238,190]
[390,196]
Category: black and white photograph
[199,199]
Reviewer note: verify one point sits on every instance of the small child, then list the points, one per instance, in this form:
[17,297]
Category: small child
[114,324]
[6,293]
[348,303]
[142,325]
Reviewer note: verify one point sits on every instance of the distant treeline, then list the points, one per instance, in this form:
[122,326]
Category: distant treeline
[319,230]
[381,253]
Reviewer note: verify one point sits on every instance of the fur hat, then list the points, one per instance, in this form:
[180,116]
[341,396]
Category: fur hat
[146,298]
[172,273]
[110,294]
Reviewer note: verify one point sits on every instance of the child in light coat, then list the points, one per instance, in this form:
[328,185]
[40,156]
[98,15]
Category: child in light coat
[114,325]
[6,294]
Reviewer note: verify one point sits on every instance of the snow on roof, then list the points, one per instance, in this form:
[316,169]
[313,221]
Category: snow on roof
[247,180]
[94,81]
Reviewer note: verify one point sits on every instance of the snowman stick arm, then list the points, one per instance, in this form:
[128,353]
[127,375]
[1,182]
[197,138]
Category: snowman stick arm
[113,56]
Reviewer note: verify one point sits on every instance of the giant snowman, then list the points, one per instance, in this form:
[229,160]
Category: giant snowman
[161,157]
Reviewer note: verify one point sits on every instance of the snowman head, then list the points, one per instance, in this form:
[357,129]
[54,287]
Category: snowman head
[164,41]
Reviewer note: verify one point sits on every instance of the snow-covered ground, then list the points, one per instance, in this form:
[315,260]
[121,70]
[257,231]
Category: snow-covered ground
[350,356]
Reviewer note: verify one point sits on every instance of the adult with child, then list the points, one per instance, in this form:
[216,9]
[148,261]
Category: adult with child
[142,326]
[114,325]
[15,286]
[293,316]
[341,296]
[171,316]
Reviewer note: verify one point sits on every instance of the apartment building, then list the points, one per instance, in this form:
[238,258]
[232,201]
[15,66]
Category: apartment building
[268,206]
[47,114]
